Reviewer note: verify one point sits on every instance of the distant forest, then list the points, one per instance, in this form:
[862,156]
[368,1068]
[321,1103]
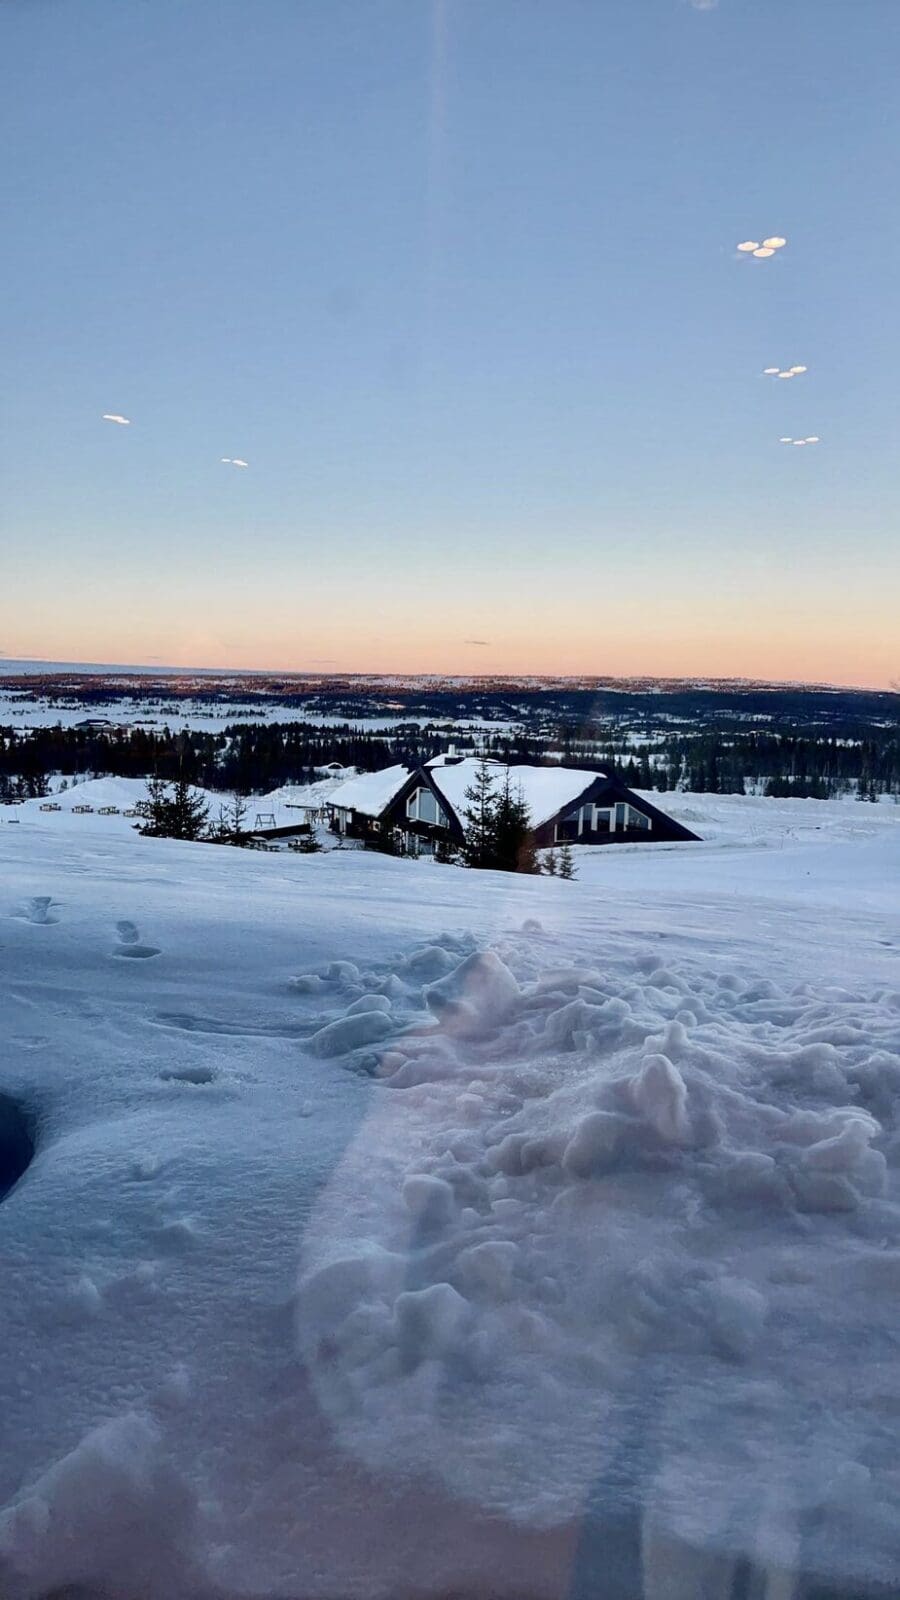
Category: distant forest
[257,757]
[538,703]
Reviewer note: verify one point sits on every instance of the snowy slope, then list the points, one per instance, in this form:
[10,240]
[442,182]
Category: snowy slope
[751,821]
[122,793]
[286,804]
[398,1230]
[21,711]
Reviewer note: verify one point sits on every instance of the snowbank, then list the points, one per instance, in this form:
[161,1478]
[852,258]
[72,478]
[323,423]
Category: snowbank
[623,1248]
[525,1237]
[109,799]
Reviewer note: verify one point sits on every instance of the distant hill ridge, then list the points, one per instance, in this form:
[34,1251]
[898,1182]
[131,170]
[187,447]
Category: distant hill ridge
[180,680]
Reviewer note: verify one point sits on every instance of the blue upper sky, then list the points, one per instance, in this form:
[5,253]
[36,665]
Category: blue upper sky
[458,280]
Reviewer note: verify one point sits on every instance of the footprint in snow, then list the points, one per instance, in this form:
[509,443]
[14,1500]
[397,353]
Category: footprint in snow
[189,1074]
[40,910]
[130,943]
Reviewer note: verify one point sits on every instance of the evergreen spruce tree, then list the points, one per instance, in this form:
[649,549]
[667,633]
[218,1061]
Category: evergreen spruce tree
[479,819]
[190,812]
[175,815]
[551,864]
[154,809]
[506,829]
[566,861]
[513,839]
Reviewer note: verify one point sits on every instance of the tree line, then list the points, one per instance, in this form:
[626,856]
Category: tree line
[257,757]
[246,758]
[819,767]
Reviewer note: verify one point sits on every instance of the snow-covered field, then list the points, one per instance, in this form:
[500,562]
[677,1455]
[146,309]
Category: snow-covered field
[23,711]
[398,1230]
[97,806]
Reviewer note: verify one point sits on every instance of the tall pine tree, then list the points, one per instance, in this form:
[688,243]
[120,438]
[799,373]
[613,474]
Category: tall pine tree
[497,825]
[479,818]
[514,842]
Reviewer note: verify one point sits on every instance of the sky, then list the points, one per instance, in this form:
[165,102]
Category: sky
[458,280]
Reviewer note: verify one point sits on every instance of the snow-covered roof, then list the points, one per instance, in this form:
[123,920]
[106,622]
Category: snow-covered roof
[370,792]
[544,789]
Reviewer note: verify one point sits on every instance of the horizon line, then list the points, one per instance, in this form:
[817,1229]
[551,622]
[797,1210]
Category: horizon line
[166,671]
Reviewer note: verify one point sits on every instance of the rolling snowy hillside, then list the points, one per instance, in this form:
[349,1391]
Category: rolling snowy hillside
[396,1227]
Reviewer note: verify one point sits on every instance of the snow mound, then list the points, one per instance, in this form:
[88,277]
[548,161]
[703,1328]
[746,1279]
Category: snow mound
[350,1033]
[477,995]
[614,1213]
[112,1512]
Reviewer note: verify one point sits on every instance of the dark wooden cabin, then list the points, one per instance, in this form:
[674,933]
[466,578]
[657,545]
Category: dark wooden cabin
[425,806]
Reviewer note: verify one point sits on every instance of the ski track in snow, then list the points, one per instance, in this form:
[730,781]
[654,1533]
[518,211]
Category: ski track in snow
[359,1256]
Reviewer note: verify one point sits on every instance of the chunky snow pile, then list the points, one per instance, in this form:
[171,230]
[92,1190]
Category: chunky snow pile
[626,1243]
[526,1238]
